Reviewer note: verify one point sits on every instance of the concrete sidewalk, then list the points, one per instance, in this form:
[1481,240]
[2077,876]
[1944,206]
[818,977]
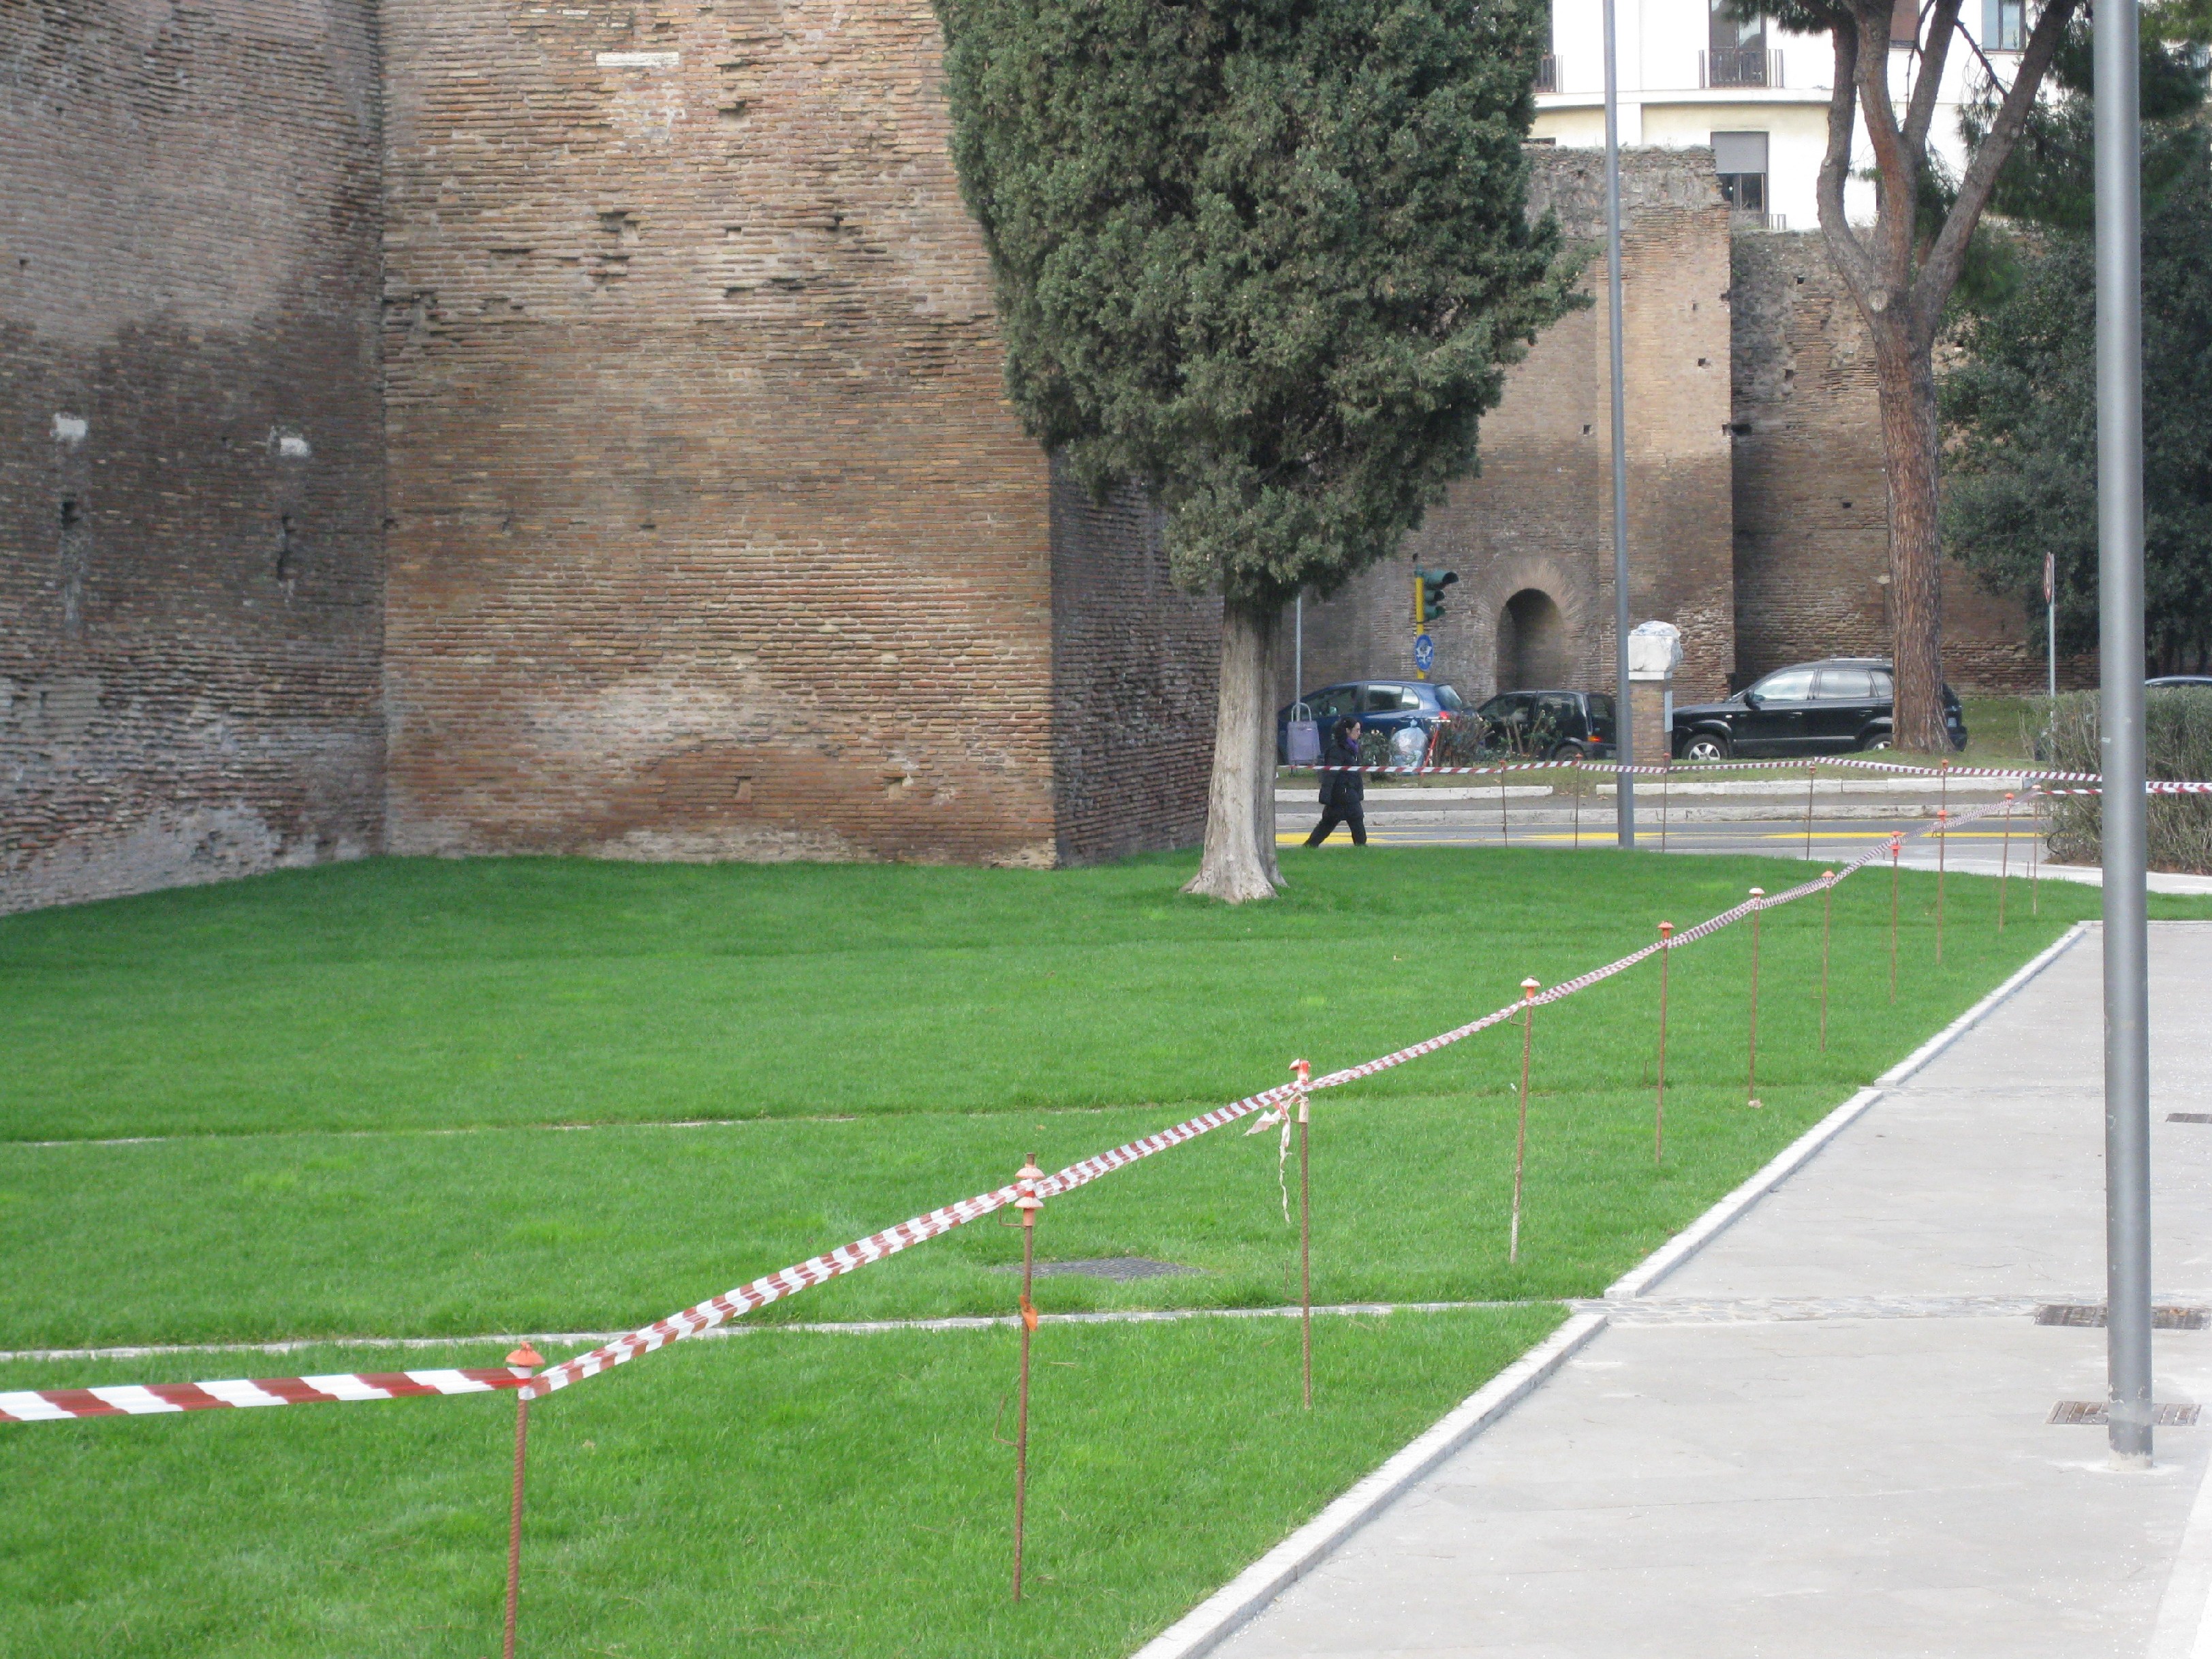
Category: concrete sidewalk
[1827,1434]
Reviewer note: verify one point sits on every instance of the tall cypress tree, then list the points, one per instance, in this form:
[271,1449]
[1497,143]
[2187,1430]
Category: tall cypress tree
[1269,258]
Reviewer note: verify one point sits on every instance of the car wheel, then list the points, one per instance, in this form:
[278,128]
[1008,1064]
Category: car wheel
[1567,751]
[1874,741]
[1705,746]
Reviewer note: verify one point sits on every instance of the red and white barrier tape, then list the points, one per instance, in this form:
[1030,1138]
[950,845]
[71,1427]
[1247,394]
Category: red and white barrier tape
[139,1400]
[817,1270]
[1647,769]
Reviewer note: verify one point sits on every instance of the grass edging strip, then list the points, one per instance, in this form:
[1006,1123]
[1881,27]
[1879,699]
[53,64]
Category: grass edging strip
[1236,1603]
[1214,1620]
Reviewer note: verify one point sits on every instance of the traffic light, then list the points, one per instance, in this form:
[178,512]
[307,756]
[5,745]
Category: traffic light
[1429,595]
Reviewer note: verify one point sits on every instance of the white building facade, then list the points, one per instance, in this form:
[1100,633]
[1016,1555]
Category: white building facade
[1690,74]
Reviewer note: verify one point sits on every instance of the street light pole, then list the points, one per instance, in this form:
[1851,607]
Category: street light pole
[2120,639]
[1623,743]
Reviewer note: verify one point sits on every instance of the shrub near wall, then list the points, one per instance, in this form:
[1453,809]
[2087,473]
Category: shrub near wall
[2178,737]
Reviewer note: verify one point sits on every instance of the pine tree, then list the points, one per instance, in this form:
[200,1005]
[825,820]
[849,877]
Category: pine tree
[1270,258]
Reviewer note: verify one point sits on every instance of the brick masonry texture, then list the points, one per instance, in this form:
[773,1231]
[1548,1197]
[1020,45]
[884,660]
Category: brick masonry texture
[190,445]
[471,426]
[713,534]
[1812,505]
[1539,515]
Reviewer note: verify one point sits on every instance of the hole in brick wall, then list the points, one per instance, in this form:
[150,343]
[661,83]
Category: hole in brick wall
[1702,363]
[287,563]
[75,549]
[1588,428]
[1788,374]
[733,113]
[745,789]
[1801,282]
[1847,506]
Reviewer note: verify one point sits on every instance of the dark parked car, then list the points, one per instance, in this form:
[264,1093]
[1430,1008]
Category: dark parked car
[1813,709]
[1550,725]
[1379,706]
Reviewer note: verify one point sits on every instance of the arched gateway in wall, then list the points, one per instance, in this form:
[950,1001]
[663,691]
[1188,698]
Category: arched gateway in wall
[1534,649]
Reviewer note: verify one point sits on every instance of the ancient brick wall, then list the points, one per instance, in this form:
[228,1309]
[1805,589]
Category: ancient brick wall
[1538,514]
[1136,669]
[190,472]
[714,535]
[1812,505]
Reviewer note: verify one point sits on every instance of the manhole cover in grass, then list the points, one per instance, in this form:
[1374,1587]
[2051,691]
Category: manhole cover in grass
[1119,1269]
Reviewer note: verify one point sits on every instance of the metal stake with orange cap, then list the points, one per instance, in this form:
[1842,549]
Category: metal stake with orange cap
[1812,772]
[1942,849]
[1827,917]
[527,1358]
[2004,861]
[1027,1203]
[1659,1107]
[1896,846]
[1751,1072]
[1528,989]
[1303,1072]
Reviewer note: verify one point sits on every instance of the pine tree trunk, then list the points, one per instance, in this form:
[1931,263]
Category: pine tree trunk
[1239,860]
[1907,383]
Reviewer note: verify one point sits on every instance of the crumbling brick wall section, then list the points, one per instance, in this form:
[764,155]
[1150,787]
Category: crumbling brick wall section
[190,443]
[1812,501]
[713,534]
[1136,669]
[1539,515]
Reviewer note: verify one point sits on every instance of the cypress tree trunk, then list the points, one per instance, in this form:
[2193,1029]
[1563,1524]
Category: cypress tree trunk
[1239,860]
[1907,386]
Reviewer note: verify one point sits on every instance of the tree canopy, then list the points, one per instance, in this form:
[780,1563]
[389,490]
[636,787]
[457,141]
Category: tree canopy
[2020,408]
[1269,257]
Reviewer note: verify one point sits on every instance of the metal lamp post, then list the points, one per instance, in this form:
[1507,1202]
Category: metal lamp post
[1624,745]
[2120,640]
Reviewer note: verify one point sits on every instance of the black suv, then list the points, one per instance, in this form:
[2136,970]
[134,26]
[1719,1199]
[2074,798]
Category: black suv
[1813,709]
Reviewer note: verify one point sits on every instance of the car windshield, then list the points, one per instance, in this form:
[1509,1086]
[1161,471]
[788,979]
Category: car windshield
[1449,699]
[1790,685]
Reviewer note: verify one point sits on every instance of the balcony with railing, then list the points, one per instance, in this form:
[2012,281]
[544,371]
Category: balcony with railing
[1740,66]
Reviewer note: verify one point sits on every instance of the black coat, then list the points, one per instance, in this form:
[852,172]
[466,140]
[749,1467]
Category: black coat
[1343,792]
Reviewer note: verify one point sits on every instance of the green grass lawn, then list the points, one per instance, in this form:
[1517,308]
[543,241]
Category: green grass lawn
[349,1102]
[783,1493]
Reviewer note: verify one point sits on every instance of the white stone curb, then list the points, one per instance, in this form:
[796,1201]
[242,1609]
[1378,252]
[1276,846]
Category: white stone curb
[1675,1251]
[1230,1608]
[1214,1620]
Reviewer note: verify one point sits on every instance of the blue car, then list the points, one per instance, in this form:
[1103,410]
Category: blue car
[1378,705]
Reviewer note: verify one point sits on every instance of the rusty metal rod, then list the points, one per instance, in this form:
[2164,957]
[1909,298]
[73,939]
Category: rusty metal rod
[1028,1202]
[1751,1071]
[529,1359]
[1305,1242]
[2004,862]
[1895,847]
[1659,1106]
[1529,988]
[1827,918]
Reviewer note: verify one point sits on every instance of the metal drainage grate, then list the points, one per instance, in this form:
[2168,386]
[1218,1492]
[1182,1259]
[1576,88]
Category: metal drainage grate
[2092,1411]
[1119,1269]
[2189,1117]
[2092,1313]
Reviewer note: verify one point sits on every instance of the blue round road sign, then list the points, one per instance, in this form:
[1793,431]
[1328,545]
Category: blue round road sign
[1425,652]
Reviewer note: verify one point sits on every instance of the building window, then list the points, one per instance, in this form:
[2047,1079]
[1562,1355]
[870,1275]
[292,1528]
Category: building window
[1739,158]
[1904,24]
[1736,54]
[2003,25]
